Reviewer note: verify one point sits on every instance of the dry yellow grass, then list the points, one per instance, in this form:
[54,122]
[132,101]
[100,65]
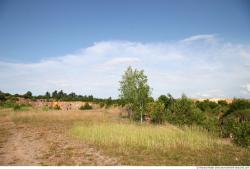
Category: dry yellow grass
[161,138]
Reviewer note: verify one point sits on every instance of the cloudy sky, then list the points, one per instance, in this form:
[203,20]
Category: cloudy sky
[198,48]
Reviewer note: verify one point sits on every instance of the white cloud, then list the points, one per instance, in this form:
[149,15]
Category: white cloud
[212,70]
[121,61]
[248,87]
[202,37]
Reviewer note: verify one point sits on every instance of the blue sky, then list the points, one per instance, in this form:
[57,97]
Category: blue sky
[199,47]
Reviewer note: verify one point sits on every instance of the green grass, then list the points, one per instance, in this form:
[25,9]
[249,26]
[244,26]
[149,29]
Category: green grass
[160,145]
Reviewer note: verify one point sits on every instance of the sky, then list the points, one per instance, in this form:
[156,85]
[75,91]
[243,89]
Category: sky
[197,47]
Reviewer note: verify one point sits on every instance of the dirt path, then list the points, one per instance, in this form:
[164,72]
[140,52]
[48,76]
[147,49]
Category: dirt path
[29,145]
[21,147]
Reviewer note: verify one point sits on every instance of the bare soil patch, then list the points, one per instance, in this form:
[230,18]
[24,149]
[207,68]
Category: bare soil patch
[28,144]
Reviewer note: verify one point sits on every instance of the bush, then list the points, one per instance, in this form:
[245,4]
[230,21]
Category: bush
[57,107]
[184,112]
[211,123]
[86,107]
[241,134]
[46,108]
[16,107]
[208,106]
[108,102]
[156,111]
[237,126]
[239,104]
[8,104]
[102,104]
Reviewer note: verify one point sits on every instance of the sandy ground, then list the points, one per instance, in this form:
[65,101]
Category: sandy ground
[29,145]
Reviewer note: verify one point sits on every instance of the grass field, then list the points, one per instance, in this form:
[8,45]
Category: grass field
[102,137]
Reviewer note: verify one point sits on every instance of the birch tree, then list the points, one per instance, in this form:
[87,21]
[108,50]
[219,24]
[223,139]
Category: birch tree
[135,91]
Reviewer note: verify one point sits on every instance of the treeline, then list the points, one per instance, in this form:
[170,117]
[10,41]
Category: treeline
[60,96]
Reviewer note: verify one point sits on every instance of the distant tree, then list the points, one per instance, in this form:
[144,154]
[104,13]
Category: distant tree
[166,100]
[28,95]
[90,98]
[2,96]
[54,94]
[47,95]
[135,91]
[60,95]
[108,102]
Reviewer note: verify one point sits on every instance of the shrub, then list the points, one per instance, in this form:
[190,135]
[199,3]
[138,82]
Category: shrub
[46,108]
[183,111]
[86,107]
[108,102]
[16,107]
[211,123]
[57,107]
[237,125]
[239,104]
[156,111]
[102,104]
[208,106]
[8,104]
[241,134]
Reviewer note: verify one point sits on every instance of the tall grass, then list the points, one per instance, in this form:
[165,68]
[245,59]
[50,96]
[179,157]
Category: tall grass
[145,136]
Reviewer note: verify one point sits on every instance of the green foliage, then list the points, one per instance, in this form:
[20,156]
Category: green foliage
[86,107]
[211,123]
[156,111]
[183,111]
[47,95]
[237,126]
[2,97]
[108,102]
[102,104]
[28,95]
[16,107]
[46,108]
[166,100]
[241,134]
[222,103]
[239,104]
[57,107]
[9,104]
[135,91]
[208,106]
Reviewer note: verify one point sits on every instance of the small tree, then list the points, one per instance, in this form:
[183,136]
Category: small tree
[135,91]
[28,95]
[54,94]
[47,95]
